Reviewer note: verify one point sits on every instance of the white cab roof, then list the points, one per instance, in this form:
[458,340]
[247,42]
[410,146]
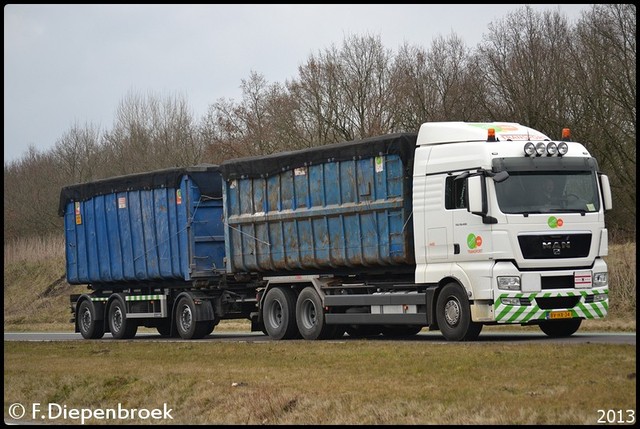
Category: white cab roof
[450,132]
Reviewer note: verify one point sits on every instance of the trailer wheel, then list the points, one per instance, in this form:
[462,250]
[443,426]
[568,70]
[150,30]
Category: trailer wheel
[453,314]
[120,327]
[310,317]
[186,325]
[560,328]
[90,328]
[279,313]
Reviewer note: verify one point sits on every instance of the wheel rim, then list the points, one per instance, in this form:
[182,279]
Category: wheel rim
[308,314]
[452,311]
[275,314]
[116,320]
[85,320]
[186,318]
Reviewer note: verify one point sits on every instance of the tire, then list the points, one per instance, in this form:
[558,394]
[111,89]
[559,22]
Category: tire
[453,315]
[560,328]
[279,313]
[186,325]
[397,331]
[310,317]
[89,327]
[120,327]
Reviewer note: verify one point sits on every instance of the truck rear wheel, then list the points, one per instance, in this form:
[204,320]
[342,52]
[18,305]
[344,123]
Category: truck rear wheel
[560,328]
[453,314]
[119,326]
[90,328]
[186,325]
[310,317]
[279,313]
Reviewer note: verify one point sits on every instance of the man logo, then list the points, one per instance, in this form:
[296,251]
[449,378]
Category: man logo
[556,246]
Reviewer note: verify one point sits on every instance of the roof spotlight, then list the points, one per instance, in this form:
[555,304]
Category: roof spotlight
[562,148]
[552,149]
[541,148]
[529,149]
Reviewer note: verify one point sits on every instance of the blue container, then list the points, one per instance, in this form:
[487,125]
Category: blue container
[338,208]
[163,226]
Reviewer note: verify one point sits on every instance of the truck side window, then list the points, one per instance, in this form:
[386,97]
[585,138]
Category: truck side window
[454,194]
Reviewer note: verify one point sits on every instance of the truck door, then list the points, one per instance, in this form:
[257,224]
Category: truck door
[470,236]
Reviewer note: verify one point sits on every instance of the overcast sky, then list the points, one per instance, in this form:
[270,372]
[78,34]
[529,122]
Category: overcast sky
[74,64]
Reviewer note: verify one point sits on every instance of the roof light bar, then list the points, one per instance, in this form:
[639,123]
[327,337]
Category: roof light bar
[548,149]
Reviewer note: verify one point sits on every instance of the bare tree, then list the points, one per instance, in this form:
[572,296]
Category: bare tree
[151,133]
[450,75]
[31,195]
[604,65]
[316,93]
[524,66]
[78,154]
[245,128]
[415,94]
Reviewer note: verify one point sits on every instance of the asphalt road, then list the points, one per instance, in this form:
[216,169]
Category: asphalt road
[426,337]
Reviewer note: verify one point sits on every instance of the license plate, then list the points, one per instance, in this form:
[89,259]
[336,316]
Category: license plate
[560,315]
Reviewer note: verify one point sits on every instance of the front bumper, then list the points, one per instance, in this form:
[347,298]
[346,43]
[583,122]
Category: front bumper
[530,307]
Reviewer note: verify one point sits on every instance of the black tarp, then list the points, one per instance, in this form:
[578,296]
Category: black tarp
[402,144]
[206,176]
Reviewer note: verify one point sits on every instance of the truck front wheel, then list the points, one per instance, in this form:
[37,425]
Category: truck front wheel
[560,328]
[119,326]
[453,314]
[90,328]
[279,313]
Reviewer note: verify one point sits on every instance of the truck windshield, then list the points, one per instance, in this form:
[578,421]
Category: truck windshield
[548,191]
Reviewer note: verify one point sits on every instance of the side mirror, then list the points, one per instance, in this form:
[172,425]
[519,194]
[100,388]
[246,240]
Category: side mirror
[606,192]
[476,195]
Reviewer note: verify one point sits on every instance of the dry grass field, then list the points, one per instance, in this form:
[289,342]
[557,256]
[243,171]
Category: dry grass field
[325,382]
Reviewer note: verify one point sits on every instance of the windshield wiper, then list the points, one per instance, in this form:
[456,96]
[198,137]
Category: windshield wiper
[581,211]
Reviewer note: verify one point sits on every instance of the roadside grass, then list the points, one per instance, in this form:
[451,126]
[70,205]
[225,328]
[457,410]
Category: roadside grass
[330,382]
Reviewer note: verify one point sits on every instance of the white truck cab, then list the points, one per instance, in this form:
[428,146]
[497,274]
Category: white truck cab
[515,218]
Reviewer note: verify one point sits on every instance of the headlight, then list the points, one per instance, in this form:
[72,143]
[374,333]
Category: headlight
[509,283]
[510,301]
[599,297]
[600,279]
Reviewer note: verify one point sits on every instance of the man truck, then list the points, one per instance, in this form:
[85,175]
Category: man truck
[450,229]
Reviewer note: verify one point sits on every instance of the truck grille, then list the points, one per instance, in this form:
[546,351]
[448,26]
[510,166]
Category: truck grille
[552,246]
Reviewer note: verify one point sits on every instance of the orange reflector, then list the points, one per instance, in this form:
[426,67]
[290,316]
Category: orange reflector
[566,134]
